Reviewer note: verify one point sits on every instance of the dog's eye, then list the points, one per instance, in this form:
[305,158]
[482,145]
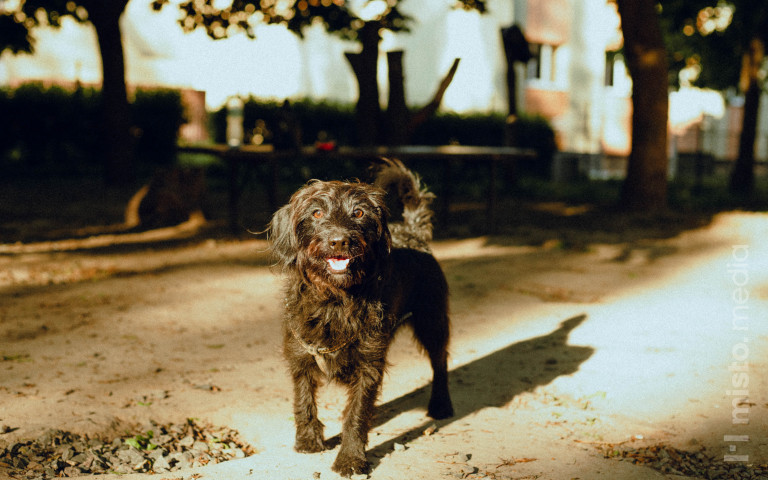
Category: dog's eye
[358,213]
[318,214]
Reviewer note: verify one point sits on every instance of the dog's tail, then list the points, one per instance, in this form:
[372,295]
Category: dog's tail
[408,202]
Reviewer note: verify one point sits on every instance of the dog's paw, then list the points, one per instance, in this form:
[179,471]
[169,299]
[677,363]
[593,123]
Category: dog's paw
[309,444]
[348,465]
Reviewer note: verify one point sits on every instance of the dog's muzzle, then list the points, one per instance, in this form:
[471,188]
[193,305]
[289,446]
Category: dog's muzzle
[338,246]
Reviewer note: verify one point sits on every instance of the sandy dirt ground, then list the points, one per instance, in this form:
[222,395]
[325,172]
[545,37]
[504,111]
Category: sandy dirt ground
[556,352]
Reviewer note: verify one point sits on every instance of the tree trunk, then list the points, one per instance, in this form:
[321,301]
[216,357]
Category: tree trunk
[742,181]
[115,140]
[364,65]
[645,187]
[516,49]
[401,124]
[398,115]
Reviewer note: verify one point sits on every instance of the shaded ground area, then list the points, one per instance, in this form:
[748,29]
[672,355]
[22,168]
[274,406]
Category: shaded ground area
[37,210]
[586,345]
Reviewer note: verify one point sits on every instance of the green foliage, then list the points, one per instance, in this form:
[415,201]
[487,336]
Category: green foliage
[719,51]
[142,442]
[326,119]
[534,131]
[530,131]
[57,130]
[316,119]
[17,22]
[338,18]
[337,122]
[157,116]
[448,128]
[48,127]
[13,36]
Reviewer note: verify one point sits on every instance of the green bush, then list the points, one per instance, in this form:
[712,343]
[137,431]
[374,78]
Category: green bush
[7,127]
[157,116]
[315,119]
[48,128]
[338,122]
[56,130]
[473,129]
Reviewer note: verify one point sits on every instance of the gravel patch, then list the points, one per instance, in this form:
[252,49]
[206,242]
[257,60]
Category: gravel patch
[701,465]
[158,449]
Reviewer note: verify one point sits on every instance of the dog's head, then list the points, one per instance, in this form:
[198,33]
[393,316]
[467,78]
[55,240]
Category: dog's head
[332,233]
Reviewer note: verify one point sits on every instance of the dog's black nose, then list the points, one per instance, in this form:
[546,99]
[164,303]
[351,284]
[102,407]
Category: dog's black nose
[338,243]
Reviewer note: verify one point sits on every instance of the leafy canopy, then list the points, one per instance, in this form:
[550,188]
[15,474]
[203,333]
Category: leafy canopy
[18,18]
[709,37]
[338,17]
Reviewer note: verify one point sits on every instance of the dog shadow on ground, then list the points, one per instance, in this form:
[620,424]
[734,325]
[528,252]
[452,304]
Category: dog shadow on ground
[520,368]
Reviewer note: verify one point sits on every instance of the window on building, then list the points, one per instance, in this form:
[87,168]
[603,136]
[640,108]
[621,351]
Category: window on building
[533,68]
[612,60]
[542,64]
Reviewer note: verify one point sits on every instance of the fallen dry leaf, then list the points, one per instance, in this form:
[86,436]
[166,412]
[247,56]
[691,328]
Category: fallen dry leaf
[514,461]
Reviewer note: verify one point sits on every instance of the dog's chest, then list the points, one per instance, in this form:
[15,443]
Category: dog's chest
[339,334]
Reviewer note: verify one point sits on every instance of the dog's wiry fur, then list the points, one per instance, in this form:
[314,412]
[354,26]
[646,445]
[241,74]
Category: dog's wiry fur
[352,280]
[408,203]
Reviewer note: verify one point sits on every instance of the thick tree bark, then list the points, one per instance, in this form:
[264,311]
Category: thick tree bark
[401,123]
[116,143]
[398,115]
[645,187]
[365,67]
[742,181]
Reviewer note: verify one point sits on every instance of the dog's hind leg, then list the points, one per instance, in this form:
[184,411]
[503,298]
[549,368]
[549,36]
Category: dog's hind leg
[432,330]
[440,406]
[440,400]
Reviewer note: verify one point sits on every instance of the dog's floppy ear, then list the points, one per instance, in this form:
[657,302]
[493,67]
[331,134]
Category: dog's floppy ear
[282,237]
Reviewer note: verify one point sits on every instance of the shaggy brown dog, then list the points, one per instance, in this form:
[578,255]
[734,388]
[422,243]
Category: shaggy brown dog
[351,284]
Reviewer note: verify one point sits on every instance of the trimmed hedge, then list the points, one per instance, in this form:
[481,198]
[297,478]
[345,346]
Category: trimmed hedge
[338,122]
[47,127]
[157,116]
[54,129]
[315,119]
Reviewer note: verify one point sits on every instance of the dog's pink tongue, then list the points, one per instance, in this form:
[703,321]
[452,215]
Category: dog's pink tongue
[338,264]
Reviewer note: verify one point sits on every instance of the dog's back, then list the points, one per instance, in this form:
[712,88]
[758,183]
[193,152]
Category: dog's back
[409,205]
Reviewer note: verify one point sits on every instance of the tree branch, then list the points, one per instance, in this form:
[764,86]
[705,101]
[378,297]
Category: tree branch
[429,109]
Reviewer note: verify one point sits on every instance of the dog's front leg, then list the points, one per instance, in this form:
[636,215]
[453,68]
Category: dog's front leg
[309,428]
[358,416]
